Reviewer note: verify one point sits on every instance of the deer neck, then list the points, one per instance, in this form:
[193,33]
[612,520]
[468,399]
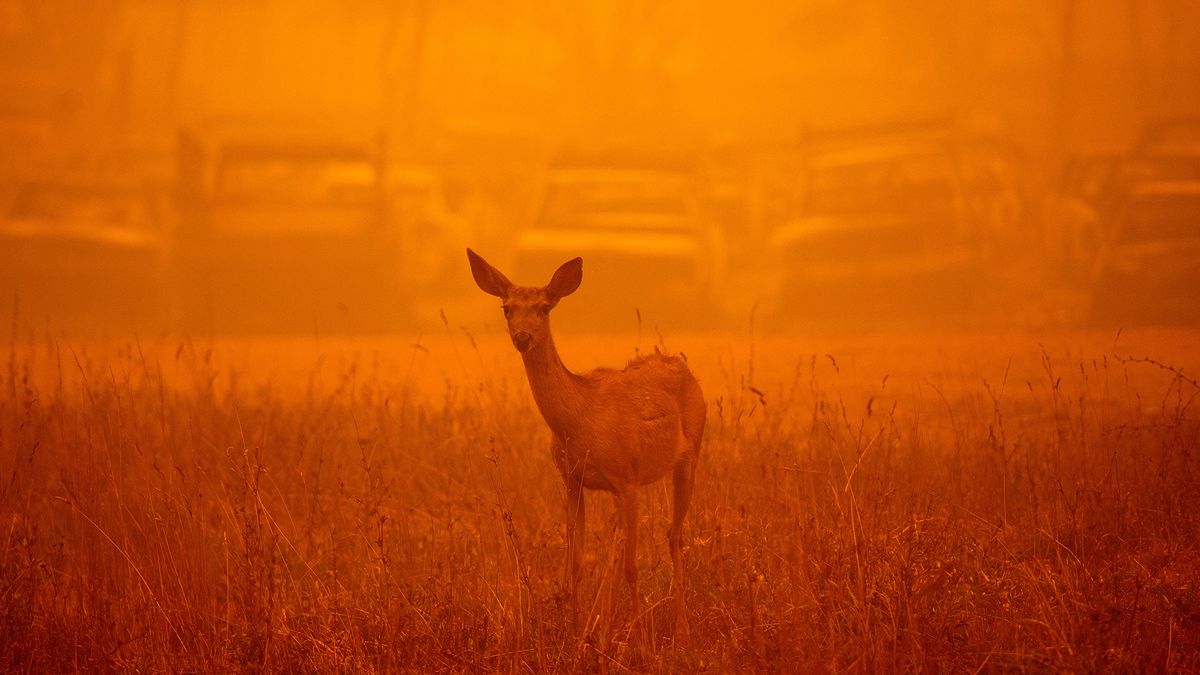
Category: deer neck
[556,390]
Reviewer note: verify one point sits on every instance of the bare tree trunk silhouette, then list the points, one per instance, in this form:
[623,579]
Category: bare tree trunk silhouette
[1060,128]
[401,55]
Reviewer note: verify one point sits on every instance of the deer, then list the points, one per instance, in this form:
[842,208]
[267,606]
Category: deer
[611,430]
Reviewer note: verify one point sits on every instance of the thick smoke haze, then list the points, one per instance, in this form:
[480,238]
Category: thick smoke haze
[263,166]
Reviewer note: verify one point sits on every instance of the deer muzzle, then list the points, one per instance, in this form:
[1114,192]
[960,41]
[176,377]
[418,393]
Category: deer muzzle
[521,340]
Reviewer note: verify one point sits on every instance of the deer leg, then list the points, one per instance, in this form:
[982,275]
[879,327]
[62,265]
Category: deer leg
[575,531]
[629,508]
[684,477]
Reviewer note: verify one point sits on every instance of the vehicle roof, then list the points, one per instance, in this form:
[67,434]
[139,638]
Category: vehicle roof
[1169,165]
[1171,135]
[592,175]
[875,153]
[1150,188]
[932,133]
[83,184]
[414,175]
[1163,156]
[302,150]
[625,159]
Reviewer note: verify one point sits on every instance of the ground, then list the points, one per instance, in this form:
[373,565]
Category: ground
[870,502]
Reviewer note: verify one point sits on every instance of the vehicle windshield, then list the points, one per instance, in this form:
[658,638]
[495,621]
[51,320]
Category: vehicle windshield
[72,206]
[620,199]
[893,185]
[410,201]
[1163,212]
[1136,170]
[1180,138]
[288,180]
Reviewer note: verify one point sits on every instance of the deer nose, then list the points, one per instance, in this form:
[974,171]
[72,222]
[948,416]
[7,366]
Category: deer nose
[521,340]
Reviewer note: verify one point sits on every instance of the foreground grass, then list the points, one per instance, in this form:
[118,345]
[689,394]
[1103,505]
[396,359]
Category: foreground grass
[392,507]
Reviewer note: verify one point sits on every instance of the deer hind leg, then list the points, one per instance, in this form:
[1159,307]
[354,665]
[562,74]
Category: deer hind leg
[684,478]
[575,532]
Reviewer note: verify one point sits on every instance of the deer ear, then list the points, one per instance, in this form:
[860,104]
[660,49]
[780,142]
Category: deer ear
[489,279]
[566,279]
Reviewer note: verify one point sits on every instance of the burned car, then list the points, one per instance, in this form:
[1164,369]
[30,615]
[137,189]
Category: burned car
[85,253]
[419,202]
[896,227]
[1170,137]
[649,251]
[1146,264]
[285,235]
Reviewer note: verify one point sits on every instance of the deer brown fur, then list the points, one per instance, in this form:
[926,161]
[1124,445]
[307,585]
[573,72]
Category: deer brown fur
[613,430]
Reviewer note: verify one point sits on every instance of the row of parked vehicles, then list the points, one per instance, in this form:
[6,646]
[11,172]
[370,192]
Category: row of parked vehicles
[908,221]
[639,220]
[871,225]
[914,223]
[1132,227]
[857,226]
[262,235]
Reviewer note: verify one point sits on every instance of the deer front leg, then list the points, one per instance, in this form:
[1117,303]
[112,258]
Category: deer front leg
[629,509]
[575,531]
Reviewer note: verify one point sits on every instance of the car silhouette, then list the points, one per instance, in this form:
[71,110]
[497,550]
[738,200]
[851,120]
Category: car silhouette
[286,234]
[639,225]
[86,253]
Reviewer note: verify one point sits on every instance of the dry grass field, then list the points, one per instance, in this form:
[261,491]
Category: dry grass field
[955,503]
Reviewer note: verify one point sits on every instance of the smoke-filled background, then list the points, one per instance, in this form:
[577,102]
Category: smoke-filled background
[255,166]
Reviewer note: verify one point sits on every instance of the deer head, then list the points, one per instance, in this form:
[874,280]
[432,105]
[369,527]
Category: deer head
[527,308]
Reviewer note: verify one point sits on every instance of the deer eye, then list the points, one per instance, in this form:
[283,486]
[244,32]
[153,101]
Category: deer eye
[507,311]
[545,309]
